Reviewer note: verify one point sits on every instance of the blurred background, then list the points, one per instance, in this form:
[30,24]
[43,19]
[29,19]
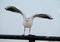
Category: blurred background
[12,23]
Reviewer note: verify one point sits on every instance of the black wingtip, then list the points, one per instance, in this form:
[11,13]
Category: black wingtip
[50,18]
[13,9]
[5,8]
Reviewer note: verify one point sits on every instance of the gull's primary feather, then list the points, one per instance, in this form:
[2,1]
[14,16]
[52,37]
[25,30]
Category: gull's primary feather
[46,16]
[13,9]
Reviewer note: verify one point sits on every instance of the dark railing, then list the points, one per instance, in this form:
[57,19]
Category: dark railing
[31,38]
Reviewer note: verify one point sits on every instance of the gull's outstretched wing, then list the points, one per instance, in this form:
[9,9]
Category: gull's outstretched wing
[13,9]
[42,16]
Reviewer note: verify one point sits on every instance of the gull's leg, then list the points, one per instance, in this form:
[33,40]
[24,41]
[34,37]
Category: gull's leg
[29,30]
[24,32]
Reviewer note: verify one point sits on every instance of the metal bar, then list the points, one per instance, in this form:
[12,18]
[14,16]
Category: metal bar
[30,37]
[31,40]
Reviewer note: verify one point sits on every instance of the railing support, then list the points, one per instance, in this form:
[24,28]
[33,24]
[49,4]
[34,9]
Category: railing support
[31,38]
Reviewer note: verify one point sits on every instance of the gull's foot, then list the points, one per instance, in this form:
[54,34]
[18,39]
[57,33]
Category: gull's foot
[29,34]
[23,34]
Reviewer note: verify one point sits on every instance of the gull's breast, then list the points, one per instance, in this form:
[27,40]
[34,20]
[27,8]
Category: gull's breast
[27,23]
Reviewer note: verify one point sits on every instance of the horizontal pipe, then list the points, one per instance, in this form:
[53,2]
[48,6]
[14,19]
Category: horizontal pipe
[30,37]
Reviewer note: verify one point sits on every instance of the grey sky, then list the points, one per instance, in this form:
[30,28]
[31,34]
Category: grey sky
[12,23]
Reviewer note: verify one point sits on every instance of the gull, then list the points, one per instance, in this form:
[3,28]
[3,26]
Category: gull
[28,21]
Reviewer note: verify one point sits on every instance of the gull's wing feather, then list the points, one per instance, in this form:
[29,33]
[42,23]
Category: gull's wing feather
[42,16]
[13,9]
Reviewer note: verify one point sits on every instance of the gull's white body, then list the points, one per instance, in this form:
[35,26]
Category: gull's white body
[28,21]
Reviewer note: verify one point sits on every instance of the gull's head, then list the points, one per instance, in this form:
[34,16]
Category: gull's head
[27,18]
